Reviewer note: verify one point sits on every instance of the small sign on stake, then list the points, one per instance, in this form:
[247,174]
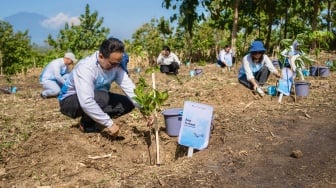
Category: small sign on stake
[195,126]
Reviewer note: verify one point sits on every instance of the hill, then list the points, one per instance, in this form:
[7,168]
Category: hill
[32,22]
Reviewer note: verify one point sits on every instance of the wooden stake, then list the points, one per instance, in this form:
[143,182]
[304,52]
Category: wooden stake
[156,128]
[190,151]
[294,91]
[100,157]
[249,104]
[1,71]
[280,97]
[157,141]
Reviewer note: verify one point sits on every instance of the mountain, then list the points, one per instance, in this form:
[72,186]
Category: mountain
[32,22]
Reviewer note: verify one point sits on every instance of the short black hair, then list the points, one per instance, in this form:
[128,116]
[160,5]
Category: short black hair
[111,45]
[166,48]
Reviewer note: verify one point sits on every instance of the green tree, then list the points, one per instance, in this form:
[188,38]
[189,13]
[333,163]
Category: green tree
[266,20]
[150,38]
[83,38]
[15,49]
[188,16]
[203,43]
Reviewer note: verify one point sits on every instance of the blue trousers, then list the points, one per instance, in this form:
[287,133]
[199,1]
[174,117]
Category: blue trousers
[51,88]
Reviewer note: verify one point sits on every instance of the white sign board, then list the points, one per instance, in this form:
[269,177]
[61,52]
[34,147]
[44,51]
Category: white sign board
[195,125]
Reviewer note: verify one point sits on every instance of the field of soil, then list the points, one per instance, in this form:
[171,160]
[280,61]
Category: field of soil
[255,141]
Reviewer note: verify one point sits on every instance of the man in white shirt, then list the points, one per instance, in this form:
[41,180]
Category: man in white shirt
[225,57]
[168,61]
[54,74]
[86,93]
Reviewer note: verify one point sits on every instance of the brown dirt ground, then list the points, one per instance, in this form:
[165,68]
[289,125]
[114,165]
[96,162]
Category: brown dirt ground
[251,145]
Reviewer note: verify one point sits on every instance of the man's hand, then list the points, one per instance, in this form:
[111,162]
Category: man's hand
[225,63]
[254,83]
[113,130]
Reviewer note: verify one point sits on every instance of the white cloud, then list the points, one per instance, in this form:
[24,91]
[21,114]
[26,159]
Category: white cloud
[58,21]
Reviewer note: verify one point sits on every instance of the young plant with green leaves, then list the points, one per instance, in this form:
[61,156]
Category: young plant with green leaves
[301,60]
[148,98]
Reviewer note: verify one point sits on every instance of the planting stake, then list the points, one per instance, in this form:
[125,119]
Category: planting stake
[157,142]
[249,104]
[280,97]
[156,127]
[100,157]
[190,151]
[294,91]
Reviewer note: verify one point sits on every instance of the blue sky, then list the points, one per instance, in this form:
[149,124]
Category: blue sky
[123,17]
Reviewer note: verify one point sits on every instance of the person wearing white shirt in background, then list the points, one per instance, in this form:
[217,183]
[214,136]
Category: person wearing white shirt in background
[168,61]
[86,93]
[54,75]
[225,57]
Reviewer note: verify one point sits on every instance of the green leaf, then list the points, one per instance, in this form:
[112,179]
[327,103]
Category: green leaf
[148,98]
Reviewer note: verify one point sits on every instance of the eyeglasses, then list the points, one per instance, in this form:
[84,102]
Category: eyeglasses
[259,52]
[113,64]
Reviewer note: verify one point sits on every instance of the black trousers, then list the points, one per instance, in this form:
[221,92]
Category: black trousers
[220,63]
[172,68]
[260,76]
[115,105]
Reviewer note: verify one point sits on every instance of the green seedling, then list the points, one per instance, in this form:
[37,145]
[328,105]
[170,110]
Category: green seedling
[148,98]
[150,101]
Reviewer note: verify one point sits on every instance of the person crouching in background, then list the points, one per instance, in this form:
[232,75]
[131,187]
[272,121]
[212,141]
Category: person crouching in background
[256,68]
[168,61]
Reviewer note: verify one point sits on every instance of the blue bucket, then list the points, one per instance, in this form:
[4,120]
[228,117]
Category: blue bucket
[271,90]
[173,120]
[13,89]
[305,72]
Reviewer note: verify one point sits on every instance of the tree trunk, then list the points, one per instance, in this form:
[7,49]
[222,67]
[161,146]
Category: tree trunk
[189,47]
[314,21]
[268,37]
[235,26]
[329,17]
[286,19]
